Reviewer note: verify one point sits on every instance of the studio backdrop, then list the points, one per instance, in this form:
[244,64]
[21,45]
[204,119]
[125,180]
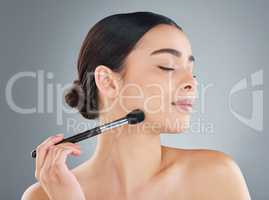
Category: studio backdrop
[39,46]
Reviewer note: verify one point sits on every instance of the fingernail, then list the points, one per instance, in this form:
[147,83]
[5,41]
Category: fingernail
[59,135]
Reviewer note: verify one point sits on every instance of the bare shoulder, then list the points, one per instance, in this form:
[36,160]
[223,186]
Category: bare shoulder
[211,173]
[212,161]
[201,159]
[33,192]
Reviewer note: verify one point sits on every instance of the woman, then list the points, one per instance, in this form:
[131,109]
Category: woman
[127,61]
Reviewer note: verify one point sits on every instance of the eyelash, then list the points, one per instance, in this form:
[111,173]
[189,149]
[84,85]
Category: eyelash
[170,69]
[166,69]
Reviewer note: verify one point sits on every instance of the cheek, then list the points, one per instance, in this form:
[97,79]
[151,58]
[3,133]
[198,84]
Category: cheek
[131,95]
[155,97]
[161,112]
[149,95]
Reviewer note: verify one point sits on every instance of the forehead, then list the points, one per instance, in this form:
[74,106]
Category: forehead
[164,36]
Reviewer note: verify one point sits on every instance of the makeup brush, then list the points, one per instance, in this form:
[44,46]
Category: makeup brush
[134,117]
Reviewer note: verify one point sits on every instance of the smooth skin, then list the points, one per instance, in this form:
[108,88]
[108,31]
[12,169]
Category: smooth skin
[129,162]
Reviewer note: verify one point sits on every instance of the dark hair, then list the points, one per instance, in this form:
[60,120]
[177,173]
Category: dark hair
[108,43]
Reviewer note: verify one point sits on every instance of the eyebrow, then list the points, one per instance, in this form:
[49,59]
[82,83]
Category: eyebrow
[173,52]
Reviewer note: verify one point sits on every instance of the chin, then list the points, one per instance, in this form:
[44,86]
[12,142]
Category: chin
[176,125]
[176,130]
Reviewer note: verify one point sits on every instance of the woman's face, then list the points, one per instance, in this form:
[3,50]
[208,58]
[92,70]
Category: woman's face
[147,85]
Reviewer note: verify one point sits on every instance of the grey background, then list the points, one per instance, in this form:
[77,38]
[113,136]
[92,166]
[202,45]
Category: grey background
[229,40]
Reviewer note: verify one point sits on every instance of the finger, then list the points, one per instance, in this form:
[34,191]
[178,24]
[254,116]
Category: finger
[42,148]
[42,151]
[60,159]
[75,147]
[59,168]
[49,158]
[57,149]
[75,150]
[44,171]
[64,151]
[69,144]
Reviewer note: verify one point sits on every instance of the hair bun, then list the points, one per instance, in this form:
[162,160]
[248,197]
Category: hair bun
[75,96]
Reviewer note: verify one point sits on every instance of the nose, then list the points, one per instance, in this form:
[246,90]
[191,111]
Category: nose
[189,85]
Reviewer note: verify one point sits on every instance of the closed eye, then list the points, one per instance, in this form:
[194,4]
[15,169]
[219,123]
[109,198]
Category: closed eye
[166,68]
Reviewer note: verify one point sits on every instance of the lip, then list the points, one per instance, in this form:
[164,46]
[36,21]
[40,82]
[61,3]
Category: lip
[185,104]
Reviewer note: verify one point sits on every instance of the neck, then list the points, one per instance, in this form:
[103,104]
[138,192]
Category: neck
[130,153]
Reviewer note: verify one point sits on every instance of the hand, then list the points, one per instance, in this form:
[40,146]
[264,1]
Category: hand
[52,172]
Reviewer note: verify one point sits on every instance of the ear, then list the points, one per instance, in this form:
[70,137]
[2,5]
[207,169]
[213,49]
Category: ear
[107,81]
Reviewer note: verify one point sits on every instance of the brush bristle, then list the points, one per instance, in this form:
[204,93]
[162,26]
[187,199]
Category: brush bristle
[136,116]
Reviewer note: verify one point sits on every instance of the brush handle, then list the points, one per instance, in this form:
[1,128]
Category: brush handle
[76,138]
